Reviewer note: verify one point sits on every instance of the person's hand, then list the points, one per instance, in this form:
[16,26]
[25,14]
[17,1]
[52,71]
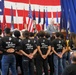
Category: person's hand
[60,55]
[30,56]
[10,50]
[44,56]
[19,53]
[50,53]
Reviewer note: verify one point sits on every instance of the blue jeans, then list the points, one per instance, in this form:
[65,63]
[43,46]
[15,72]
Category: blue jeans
[9,61]
[64,60]
[58,67]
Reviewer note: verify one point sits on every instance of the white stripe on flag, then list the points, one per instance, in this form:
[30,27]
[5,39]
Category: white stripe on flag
[20,6]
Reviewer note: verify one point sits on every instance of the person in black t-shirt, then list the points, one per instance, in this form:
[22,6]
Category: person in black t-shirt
[18,54]
[50,56]
[28,49]
[44,48]
[58,47]
[71,69]
[10,45]
[35,42]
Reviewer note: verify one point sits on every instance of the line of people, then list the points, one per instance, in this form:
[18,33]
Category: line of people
[38,51]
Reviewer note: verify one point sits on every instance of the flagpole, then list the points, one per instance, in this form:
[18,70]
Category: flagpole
[62,17]
[57,21]
[68,22]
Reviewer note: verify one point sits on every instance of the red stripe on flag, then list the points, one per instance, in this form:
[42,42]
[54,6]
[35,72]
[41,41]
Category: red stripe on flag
[30,25]
[39,2]
[7,12]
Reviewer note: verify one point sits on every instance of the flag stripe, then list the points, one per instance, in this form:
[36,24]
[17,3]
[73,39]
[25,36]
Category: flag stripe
[20,20]
[7,12]
[40,2]
[20,6]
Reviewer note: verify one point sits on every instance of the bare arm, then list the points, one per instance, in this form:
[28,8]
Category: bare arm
[55,51]
[24,53]
[48,52]
[34,52]
[38,47]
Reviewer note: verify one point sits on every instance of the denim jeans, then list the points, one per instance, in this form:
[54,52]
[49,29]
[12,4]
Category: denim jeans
[64,60]
[9,61]
[58,67]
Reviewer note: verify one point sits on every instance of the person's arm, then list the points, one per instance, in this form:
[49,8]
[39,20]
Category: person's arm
[25,54]
[38,47]
[34,52]
[55,51]
[63,51]
[48,51]
[51,53]
[18,52]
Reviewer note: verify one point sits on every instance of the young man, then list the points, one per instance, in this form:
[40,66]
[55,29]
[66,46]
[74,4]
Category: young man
[50,56]
[18,54]
[44,48]
[10,45]
[58,47]
[28,49]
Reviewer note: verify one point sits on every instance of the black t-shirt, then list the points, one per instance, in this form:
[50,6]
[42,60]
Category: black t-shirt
[58,45]
[35,41]
[1,49]
[28,46]
[70,70]
[10,42]
[19,41]
[43,43]
[71,44]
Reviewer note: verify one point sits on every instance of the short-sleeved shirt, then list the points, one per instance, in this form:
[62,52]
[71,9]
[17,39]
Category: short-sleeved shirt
[19,41]
[43,43]
[10,42]
[35,41]
[28,46]
[58,45]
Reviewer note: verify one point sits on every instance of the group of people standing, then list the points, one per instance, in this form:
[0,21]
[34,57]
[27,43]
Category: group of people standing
[34,50]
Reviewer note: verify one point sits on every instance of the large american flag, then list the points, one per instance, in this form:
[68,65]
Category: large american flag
[51,5]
